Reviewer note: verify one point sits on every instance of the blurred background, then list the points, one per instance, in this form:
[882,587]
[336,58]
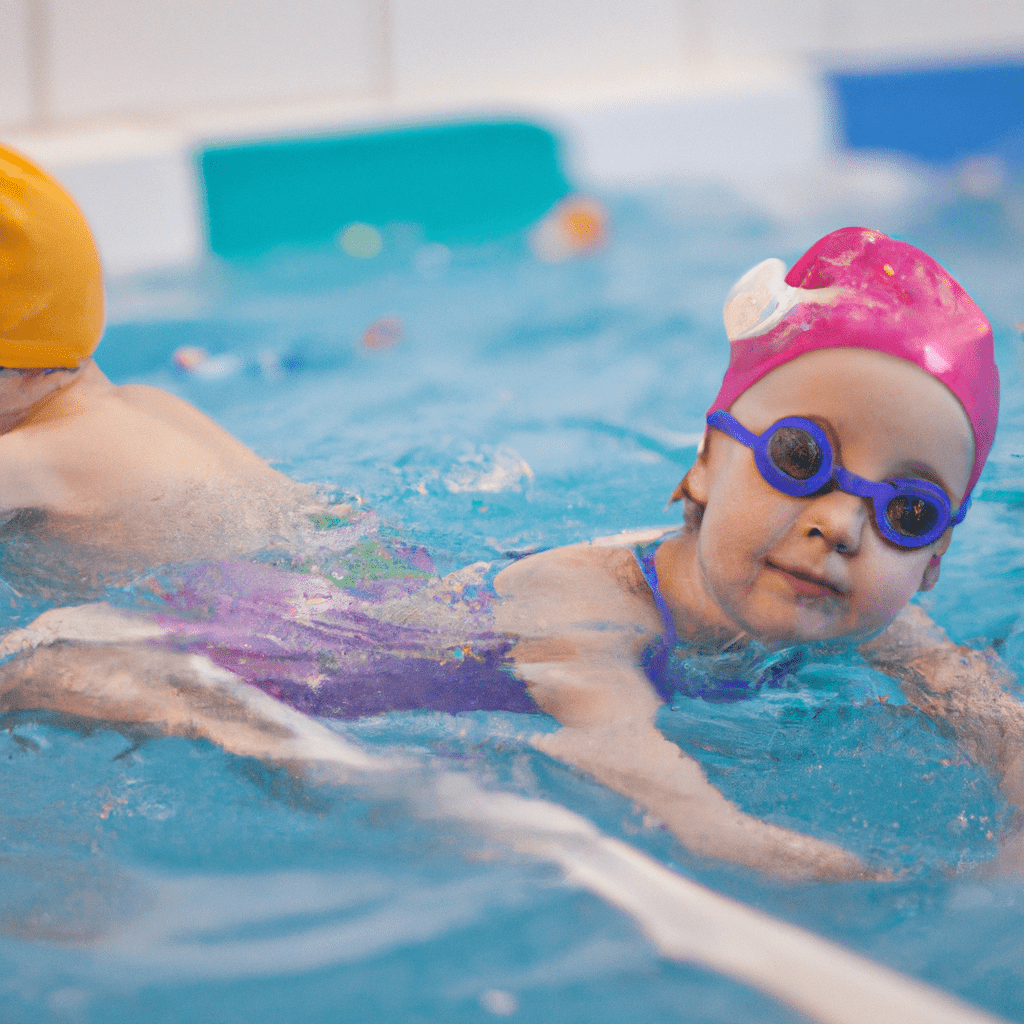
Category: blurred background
[119,96]
[464,261]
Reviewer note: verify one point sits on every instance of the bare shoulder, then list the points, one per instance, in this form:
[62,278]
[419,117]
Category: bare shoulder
[159,404]
[582,586]
[31,468]
[911,634]
[173,421]
[607,563]
[92,409]
[577,567]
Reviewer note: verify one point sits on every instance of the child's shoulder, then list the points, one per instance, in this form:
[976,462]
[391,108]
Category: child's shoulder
[613,555]
[632,538]
[84,420]
[92,403]
[155,402]
[599,581]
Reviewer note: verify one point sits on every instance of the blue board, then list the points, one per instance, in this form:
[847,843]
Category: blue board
[937,115]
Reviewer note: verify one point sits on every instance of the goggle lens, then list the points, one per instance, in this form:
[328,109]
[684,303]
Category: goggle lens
[912,516]
[795,453]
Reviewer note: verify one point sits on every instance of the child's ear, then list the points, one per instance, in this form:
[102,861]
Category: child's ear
[693,488]
[930,576]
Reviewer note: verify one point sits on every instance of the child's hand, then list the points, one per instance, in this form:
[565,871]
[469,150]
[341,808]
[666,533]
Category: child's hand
[640,763]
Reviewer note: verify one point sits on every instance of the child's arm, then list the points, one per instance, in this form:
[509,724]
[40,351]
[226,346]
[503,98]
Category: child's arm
[962,686]
[583,619]
[969,689]
[88,662]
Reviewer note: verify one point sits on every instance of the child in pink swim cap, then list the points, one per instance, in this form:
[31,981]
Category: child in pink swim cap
[861,330]
[856,414]
[857,288]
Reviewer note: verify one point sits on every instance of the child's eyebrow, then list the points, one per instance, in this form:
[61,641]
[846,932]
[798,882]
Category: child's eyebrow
[922,471]
[908,470]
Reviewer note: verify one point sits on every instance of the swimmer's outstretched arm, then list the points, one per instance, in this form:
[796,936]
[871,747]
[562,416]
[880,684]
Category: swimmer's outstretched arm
[969,689]
[87,662]
[579,644]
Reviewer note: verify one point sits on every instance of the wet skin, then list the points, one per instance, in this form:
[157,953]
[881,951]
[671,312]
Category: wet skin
[22,390]
[97,479]
[791,570]
[752,561]
[781,569]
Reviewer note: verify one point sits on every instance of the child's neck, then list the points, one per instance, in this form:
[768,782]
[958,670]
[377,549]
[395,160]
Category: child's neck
[32,396]
[698,618]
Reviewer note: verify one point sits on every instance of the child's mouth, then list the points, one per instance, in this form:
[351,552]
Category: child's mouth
[806,584]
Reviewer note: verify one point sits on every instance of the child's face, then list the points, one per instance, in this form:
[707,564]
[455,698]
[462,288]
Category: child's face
[790,570]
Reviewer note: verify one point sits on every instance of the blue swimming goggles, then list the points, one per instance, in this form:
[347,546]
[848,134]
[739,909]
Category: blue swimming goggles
[795,457]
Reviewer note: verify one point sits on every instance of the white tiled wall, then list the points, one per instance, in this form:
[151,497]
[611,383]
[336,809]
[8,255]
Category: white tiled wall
[15,62]
[748,28]
[925,29]
[150,57]
[130,56]
[732,135]
[115,96]
[458,46]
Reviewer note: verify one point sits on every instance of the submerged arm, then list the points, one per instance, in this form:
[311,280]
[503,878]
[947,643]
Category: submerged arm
[968,689]
[957,684]
[582,620]
[87,662]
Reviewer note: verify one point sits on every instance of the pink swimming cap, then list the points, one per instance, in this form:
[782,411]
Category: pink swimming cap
[857,288]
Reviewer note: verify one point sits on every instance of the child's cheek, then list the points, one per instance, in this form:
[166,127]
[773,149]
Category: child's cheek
[887,585]
[732,537]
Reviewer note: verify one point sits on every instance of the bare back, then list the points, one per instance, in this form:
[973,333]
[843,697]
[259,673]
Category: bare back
[107,479]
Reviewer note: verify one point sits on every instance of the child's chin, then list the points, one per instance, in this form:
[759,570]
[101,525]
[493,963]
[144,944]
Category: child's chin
[802,626]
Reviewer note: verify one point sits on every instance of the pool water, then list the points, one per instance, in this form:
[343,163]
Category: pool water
[525,405]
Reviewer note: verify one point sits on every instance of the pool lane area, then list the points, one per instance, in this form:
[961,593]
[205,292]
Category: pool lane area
[500,335]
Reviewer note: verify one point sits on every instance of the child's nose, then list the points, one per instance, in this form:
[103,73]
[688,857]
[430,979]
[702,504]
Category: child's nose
[838,518]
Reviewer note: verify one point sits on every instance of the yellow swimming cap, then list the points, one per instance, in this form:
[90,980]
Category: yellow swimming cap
[51,286]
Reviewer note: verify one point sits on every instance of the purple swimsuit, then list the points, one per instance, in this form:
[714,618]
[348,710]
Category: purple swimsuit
[373,628]
[334,647]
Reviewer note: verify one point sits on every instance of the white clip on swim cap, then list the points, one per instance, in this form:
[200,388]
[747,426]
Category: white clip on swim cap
[761,298]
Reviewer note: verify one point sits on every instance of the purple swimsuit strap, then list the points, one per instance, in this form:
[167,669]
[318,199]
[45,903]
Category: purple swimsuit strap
[656,660]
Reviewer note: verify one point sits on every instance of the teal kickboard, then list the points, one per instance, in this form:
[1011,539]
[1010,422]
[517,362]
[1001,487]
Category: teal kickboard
[459,182]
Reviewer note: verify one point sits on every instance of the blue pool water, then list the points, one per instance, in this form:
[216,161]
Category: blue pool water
[527,405]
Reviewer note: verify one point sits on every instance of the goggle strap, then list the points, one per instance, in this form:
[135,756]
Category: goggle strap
[957,519]
[861,488]
[721,420]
